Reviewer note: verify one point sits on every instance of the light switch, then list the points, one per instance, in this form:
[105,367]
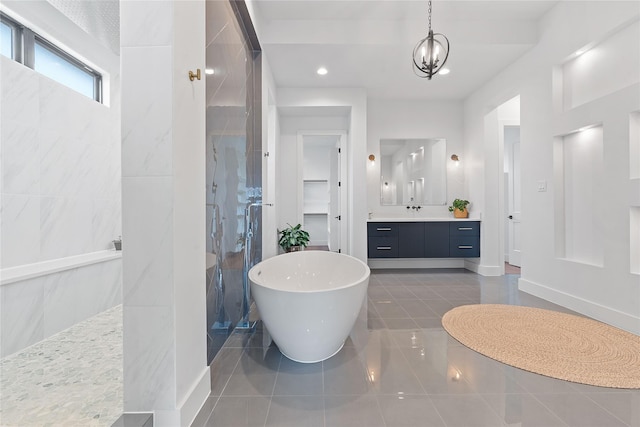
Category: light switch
[542,186]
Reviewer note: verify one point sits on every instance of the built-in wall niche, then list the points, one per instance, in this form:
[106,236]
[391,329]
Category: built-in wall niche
[601,68]
[579,182]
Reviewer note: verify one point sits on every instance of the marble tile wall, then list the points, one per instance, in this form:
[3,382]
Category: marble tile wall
[59,197]
[147,194]
[60,170]
[163,158]
[34,309]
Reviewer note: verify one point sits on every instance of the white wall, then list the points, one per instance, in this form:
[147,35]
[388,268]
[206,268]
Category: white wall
[270,135]
[163,134]
[60,186]
[355,100]
[402,119]
[609,292]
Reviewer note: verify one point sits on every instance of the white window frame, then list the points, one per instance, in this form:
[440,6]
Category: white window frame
[24,42]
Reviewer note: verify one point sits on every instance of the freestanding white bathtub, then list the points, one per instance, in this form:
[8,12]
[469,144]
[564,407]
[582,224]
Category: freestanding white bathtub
[309,301]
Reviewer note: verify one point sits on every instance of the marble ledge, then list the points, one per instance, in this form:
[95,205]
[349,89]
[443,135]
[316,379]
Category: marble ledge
[30,271]
[434,219]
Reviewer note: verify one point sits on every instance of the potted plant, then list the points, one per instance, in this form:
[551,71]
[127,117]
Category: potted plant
[293,238]
[459,208]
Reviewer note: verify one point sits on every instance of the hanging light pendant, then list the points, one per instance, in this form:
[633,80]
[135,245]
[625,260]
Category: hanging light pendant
[431,53]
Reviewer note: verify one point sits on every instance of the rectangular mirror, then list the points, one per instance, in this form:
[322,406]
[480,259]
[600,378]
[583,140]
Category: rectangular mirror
[413,172]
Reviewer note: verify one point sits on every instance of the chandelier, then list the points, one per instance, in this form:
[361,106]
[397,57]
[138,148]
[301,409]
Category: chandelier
[428,53]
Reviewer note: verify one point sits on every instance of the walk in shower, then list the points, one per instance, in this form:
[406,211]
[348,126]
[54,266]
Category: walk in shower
[234,171]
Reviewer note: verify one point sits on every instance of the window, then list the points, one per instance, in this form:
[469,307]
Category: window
[58,66]
[23,45]
[7,39]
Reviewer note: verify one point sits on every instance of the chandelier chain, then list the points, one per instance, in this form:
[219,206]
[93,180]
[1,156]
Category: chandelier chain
[430,53]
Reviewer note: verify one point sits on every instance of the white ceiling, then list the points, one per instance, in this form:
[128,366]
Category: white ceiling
[369,43]
[98,18]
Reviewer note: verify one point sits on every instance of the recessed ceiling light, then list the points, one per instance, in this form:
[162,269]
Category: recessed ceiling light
[209,71]
[444,71]
[322,71]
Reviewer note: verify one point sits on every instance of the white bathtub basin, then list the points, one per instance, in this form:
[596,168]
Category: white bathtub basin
[309,301]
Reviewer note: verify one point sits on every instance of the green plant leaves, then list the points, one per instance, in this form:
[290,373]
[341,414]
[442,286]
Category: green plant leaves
[293,236]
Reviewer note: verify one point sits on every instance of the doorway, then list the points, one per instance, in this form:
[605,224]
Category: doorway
[508,121]
[321,177]
[512,197]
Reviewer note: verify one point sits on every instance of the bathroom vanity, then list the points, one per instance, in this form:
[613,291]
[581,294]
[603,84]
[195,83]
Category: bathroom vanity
[423,238]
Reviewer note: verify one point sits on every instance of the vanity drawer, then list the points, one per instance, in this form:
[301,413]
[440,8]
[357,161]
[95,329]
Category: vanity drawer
[464,228]
[382,229]
[464,247]
[383,247]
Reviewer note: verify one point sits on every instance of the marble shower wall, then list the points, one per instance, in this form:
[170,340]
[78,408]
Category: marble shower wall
[163,175]
[60,170]
[59,197]
[35,309]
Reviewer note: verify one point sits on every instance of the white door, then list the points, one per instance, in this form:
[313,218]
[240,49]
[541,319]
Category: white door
[512,152]
[335,214]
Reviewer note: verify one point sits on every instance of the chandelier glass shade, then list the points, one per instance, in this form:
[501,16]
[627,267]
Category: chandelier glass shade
[430,53]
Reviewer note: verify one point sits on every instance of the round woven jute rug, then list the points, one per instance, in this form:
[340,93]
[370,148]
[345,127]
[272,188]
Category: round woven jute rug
[550,343]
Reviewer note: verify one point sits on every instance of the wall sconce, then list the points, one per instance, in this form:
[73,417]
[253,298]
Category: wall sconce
[372,157]
[455,158]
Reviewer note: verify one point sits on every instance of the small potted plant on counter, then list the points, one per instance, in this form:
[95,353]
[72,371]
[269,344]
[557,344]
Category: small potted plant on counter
[293,238]
[459,208]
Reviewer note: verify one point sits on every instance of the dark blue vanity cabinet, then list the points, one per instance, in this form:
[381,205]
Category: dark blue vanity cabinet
[464,239]
[410,240]
[437,239]
[382,239]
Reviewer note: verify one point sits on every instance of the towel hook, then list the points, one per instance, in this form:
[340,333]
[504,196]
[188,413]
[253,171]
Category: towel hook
[193,76]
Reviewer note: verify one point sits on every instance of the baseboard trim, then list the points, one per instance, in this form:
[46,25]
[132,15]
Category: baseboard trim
[415,263]
[194,401]
[483,270]
[588,308]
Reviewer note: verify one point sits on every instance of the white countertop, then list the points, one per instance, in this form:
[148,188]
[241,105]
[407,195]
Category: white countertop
[406,219]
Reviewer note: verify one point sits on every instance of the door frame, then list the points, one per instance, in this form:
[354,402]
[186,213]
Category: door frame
[502,124]
[345,225]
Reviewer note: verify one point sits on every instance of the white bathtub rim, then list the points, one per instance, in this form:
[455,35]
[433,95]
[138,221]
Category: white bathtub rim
[253,273]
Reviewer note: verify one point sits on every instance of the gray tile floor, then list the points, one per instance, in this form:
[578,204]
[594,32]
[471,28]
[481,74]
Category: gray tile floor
[405,370]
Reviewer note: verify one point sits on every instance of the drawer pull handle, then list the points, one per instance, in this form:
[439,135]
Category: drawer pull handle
[383,229]
[383,248]
[465,247]
[465,228]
